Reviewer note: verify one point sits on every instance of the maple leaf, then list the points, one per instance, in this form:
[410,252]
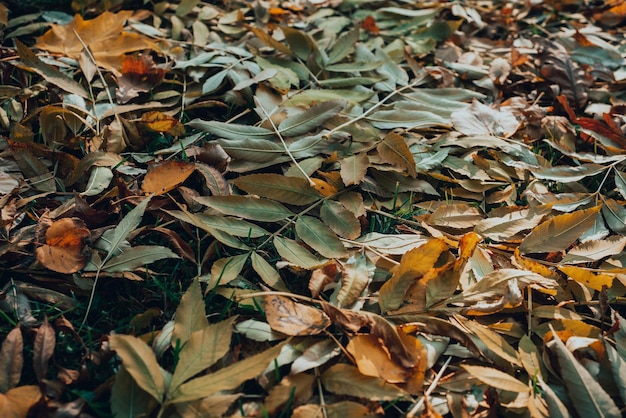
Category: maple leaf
[104,35]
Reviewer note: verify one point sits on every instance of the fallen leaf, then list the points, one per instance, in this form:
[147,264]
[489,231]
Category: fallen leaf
[166,176]
[292,318]
[64,245]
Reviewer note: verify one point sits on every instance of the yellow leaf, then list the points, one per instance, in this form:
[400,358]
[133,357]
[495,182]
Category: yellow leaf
[588,277]
[165,177]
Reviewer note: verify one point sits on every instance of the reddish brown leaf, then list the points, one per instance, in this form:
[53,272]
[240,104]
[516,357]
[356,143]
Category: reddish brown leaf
[43,348]
[64,244]
[11,360]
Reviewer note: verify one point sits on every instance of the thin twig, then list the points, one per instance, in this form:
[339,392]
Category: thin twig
[417,405]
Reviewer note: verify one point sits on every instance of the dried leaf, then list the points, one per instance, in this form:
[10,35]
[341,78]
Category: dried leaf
[343,379]
[479,119]
[496,378]
[292,318]
[559,232]
[319,237]
[292,190]
[65,242]
[166,176]
[587,277]
[11,360]
[190,315]
[43,349]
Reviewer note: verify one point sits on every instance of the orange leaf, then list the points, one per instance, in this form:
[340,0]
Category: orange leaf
[104,35]
[156,121]
[63,250]
[369,24]
[166,176]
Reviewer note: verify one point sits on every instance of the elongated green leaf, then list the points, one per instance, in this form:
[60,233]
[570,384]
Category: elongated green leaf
[615,216]
[214,82]
[190,315]
[140,362]
[201,351]
[225,379]
[340,220]
[556,407]
[618,367]
[136,257]
[588,397]
[292,190]
[568,174]
[267,273]
[319,237]
[125,227]
[293,252]
[222,236]
[231,130]
[311,119]
[235,227]
[252,149]
[344,46]
[353,168]
[408,119]
[560,232]
[48,72]
[227,269]
[310,97]
[99,179]
[496,378]
[248,207]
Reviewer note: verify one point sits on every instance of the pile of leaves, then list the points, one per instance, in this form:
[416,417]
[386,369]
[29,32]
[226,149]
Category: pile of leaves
[323,208]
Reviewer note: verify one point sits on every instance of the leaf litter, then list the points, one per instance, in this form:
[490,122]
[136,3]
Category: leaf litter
[322,209]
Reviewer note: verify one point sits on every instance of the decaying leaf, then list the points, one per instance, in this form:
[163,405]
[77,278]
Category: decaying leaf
[292,318]
[166,176]
[64,244]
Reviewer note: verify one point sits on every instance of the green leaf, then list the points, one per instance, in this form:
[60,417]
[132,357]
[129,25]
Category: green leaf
[496,378]
[340,220]
[127,225]
[618,367]
[310,97]
[48,72]
[408,119]
[227,269]
[296,254]
[202,350]
[247,207]
[233,226]
[560,232]
[136,257]
[311,119]
[567,174]
[344,46]
[99,180]
[231,130]
[319,237]
[140,362]
[587,395]
[227,378]
[292,190]
[267,273]
[190,315]
[615,216]
[252,149]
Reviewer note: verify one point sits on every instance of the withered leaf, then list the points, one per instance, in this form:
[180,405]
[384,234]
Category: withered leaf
[43,348]
[166,176]
[63,248]
[292,318]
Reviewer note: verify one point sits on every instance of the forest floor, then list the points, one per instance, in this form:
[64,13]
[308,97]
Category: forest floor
[315,208]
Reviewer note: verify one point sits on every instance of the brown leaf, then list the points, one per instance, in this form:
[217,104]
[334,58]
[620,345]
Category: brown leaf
[295,389]
[139,74]
[292,318]
[11,360]
[64,244]
[104,35]
[159,122]
[18,401]
[394,150]
[166,176]
[43,348]
[556,66]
